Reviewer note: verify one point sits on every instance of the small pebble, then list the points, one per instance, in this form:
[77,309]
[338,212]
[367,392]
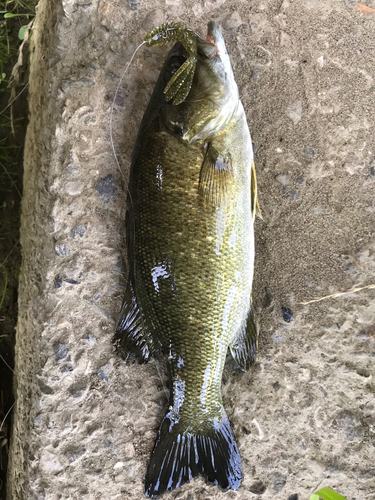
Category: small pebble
[77,454]
[67,368]
[319,210]
[112,77]
[117,98]
[309,152]
[129,450]
[73,188]
[90,337]
[58,282]
[153,19]
[288,315]
[61,351]
[103,372]
[350,424]
[258,488]
[232,21]
[118,267]
[79,230]
[246,431]
[269,298]
[47,389]
[50,463]
[300,180]
[107,188]
[82,82]
[62,250]
[77,394]
[278,482]
[102,375]
[294,195]
[72,282]
[283,179]
[277,339]
[293,497]
[107,443]
[320,61]
[294,111]
[134,5]
[38,420]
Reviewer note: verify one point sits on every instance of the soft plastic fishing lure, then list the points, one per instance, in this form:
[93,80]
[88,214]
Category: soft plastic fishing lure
[180,84]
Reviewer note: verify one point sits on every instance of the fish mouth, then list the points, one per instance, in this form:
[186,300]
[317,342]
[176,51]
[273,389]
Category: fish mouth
[213,45]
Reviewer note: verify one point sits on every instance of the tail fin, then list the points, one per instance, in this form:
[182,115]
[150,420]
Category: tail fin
[181,454]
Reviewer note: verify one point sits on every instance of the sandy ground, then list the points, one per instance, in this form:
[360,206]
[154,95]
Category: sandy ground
[85,422]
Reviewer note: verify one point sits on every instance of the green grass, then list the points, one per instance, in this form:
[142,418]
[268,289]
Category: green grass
[14,17]
[327,494]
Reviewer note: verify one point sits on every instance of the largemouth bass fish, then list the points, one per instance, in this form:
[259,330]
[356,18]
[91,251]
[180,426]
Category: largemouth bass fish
[190,240]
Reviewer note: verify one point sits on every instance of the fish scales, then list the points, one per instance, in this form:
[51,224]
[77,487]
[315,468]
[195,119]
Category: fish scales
[191,249]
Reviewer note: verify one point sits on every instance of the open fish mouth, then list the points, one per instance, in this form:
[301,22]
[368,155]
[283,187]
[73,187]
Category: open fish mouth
[213,45]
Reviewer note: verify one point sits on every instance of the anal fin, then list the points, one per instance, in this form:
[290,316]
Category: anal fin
[245,346]
[132,336]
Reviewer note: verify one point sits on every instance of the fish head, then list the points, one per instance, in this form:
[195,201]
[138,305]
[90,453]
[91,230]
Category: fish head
[214,73]
[213,98]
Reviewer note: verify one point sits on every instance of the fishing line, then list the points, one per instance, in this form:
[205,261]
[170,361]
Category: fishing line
[10,253]
[123,177]
[112,107]
[20,195]
[6,364]
[6,415]
[12,101]
[12,181]
[6,171]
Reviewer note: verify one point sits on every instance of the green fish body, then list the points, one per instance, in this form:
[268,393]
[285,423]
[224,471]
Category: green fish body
[191,207]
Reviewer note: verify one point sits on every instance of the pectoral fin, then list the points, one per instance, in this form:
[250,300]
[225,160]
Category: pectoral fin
[255,209]
[244,347]
[215,176]
[132,336]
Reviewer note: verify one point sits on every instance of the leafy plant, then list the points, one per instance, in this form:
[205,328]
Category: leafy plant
[12,10]
[327,494]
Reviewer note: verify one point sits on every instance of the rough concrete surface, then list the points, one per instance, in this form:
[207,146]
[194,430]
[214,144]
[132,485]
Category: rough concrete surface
[85,422]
